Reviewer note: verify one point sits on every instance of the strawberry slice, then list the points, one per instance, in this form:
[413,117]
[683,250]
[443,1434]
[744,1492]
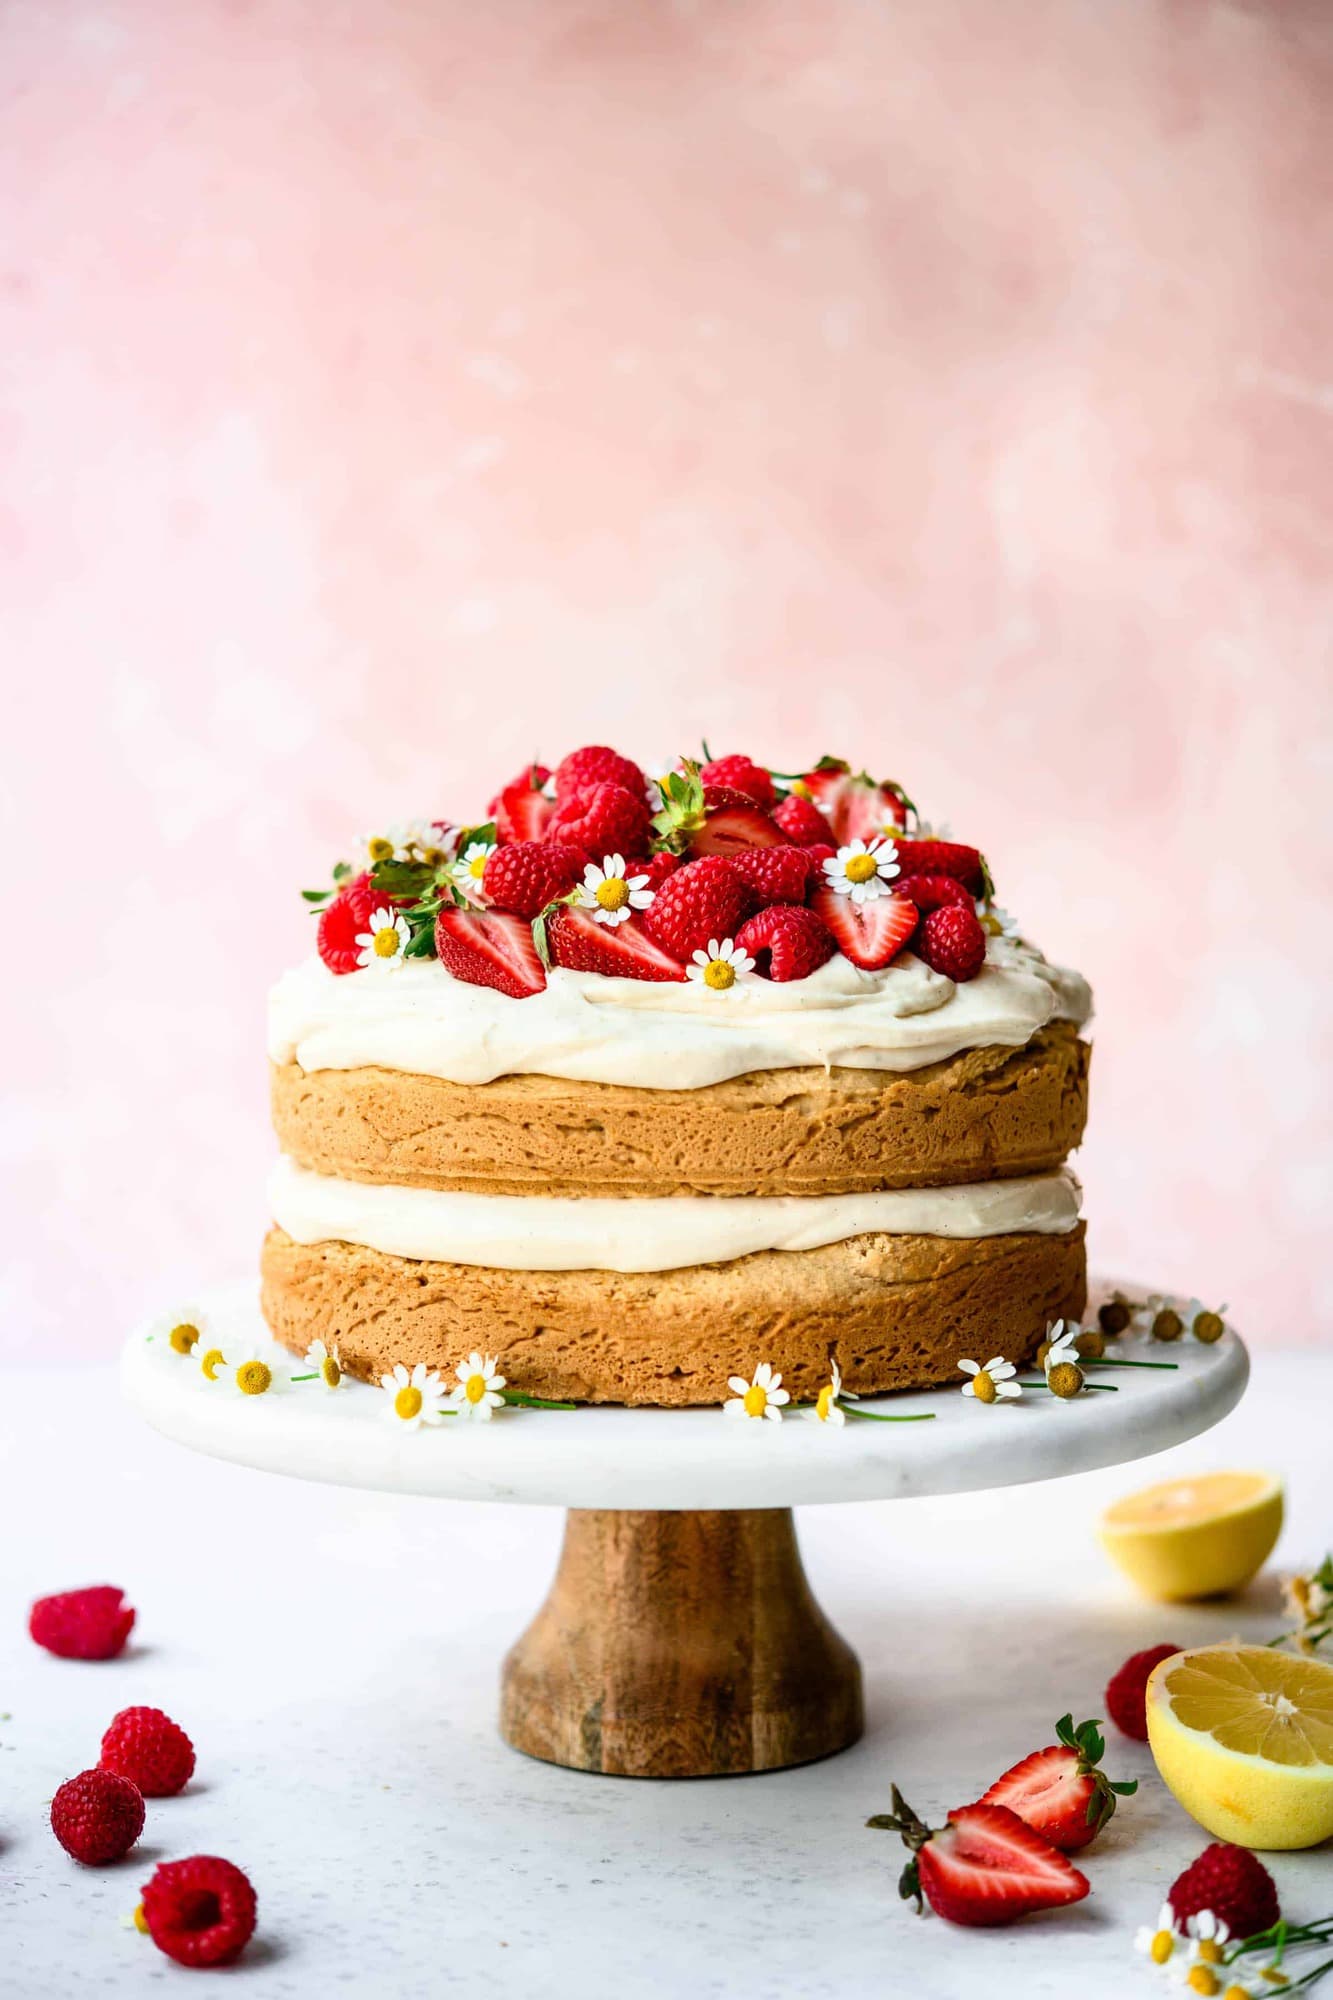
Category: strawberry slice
[575,939]
[489,948]
[870,934]
[941,857]
[731,821]
[522,810]
[865,809]
[1062,1791]
[986,1866]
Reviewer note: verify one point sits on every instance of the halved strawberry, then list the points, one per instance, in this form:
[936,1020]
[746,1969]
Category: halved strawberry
[743,775]
[575,939]
[1062,1791]
[731,822]
[942,857]
[865,809]
[870,934]
[986,1866]
[489,948]
[522,810]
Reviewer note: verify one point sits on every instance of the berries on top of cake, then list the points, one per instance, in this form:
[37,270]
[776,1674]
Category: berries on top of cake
[598,868]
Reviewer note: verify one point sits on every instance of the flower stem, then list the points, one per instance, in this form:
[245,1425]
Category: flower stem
[1108,1387]
[525,1402]
[303,1378]
[1128,1364]
[887,1416]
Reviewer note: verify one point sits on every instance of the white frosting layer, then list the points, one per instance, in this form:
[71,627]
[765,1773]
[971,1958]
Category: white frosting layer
[588,1028]
[551,1233]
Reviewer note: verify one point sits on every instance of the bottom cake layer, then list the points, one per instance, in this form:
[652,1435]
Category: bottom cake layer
[898,1312]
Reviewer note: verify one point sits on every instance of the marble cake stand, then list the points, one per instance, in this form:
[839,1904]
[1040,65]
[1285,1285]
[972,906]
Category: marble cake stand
[680,1637]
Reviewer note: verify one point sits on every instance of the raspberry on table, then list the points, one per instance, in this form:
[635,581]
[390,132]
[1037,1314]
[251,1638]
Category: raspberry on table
[97,1816]
[1127,1691]
[1233,1883]
[147,1747]
[200,1911]
[90,1624]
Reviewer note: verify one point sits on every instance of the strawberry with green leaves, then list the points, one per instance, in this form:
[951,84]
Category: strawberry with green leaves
[984,1866]
[1062,1791]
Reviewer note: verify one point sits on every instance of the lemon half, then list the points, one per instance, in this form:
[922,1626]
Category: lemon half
[1243,1737]
[1195,1537]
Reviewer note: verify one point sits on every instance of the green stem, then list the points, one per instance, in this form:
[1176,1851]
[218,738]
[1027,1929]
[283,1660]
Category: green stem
[1109,1388]
[523,1402]
[1088,1362]
[305,1378]
[886,1416]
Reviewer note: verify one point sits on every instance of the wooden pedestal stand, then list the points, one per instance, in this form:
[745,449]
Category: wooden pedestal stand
[680,1645]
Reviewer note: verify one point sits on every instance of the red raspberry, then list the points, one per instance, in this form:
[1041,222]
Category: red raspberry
[932,892]
[1231,1882]
[200,1911]
[786,943]
[705,899]
[742,774]
[342,919]
[951,941]
[147,1747]
[596,765]
[1126,1691]
[817,853]
[802,823]
[90,1624]
[657,867]
[605,820]
[97,1816]
[940,857]
[526,875]
[775,874]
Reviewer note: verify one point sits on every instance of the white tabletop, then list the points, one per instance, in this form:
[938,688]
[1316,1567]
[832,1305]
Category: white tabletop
[334,1654]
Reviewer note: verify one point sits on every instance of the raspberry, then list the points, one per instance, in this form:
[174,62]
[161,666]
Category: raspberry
[704,899]
[775,874]
[340,921]
[200,1911]
[792,941]
[940,857]
[1231,1882]
[803,823]
[90,1624]
[526,875]
[1126,1702]
[147,1747]
[604,820]
[932,892]
[97,1816]
[742,774]
[657,867]
[951,941]
[597,765]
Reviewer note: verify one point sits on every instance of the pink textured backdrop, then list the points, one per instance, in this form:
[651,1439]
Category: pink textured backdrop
[392,390]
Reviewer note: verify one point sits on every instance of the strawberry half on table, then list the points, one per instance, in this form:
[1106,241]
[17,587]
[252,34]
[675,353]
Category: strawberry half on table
[1062,1792]
[985,1866]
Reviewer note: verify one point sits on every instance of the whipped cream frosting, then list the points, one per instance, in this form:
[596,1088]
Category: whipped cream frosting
[588,1028]
[555,1233]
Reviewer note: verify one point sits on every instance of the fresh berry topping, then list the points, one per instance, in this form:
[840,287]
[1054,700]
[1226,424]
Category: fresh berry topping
[803,823]
[343,920]
[657,867]
[704,899]
[200,1911]
[489,948]
[742,775]
[1233,1883]
[147,1747]
[932,892]
[1126,1691]
[863,809]
[606,819]
[525,875]
[575,939]
[522,811]
[986,1866]
[596,765]
[732,824]
[825,784]
[942,857]
[785,942]
[97,1817]
[1062,1791]
[775,874]
[817,853]
[870,934]
[951,940]
[90,1624]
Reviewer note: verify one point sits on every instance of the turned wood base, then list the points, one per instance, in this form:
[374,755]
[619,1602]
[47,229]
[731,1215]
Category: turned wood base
[680,1646]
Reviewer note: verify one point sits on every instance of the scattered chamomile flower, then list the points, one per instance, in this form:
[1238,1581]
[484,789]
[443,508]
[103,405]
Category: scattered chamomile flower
[386,940]
[468,870]
[210,1361]
[1206,1323]
[1060,1344]
[135,1920]
[326,1363]
[721,965]
[413,1398]
[997,922]
[1160,1941]
[762,1396]
[1207,1934]
[182,1330]
[925,829]
[610,893]
[251,1373]
[993,1383]
[828,1403]
[479,1387]
[863,869]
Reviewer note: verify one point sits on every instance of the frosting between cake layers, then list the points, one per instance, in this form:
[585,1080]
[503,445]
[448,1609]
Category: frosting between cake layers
[587,1028]
[591,1233]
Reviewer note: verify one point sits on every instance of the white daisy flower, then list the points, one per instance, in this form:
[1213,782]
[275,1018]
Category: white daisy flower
[408,839]
[996,922]
[386,940]
[479,1386]
[212,1361]
[251,1372]
[863,869]
[721,965]
[1161,1941]
[326,1363]
[992,1384]
[762,1396]
[1207,1934]
[610,893]
[828,1405]
[928,830]
[414,1398]
[184,1331]
[1062,1343]
[468,870]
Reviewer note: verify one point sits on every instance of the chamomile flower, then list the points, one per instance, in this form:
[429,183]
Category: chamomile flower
[1162,1941]
[828,1408]
[1061,1343]
[925,829]
[1207,1934]
[182,1330]
[992,1383]
[762,1396]
[997,922]
[386,940]
[721,965]
[414,1397]
[863,869]
[326,1363]
[468,870]
[479,1387]
[212,1362]
[250,1372]
[1206,1323]
[610,893]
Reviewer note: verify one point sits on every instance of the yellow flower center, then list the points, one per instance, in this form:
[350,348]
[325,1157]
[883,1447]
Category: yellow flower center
[183,1337]
[1209,1950]
[434,857]
[1043,1351]
[330,1371]
[756,1400]
[1168,1325]
[824,1402]
[1207,1327]
[613,894]
[1065,1380]
[386,941]
[801,789]
[211,1362]
[407,1404]
[983,1388]
[1161,1948]
[1202,1979]
[1090,1344]
[253,1378]
[476,867]
[475,1388]
[140,1920]
[380,849]
[1273,1976]
[719,975]
[860,868]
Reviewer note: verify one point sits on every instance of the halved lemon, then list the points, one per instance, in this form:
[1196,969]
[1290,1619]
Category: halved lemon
[1243,1737]
[1195,1537]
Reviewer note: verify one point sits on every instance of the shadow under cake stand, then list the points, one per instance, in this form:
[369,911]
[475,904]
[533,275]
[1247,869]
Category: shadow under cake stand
[680,1637]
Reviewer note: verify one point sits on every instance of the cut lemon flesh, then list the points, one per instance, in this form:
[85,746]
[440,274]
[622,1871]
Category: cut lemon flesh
[1195,1537]
[1243,1737]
